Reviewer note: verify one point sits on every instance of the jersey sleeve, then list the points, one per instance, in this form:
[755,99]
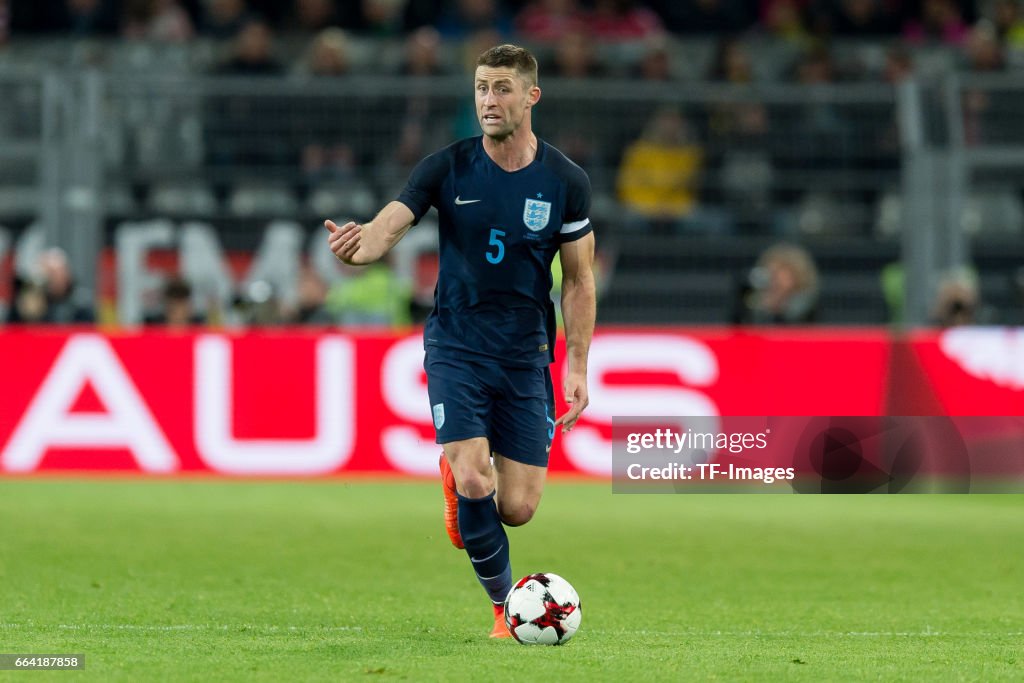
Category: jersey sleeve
[576,221]
[424,184]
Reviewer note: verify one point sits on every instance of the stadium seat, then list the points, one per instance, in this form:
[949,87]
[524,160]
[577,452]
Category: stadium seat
[353,199]
[18,201]
[998,211]
[986,212]
[889,215]
[182,199]
[260,199]
[821,213]
[851,298]
[118,200]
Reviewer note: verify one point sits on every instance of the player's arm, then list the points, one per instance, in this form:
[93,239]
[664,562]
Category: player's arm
[359,244]
[579,309]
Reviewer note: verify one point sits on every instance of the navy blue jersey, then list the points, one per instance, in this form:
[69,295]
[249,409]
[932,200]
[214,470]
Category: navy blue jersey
[499,232]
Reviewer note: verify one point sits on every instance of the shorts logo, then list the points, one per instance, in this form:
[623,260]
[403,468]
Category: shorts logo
[438,415]
[536,214]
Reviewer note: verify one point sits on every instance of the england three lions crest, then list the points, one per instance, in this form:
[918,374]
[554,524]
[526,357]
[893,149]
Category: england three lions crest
[536,214]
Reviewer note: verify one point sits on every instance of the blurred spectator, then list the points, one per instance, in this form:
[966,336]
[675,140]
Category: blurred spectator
[899,65]
[893,283]
[731,63]
[463,18]
[785,20]
[782,288]
[312,16]
[61,303]
[421,299]
[620,20]
[1008,22]
[312,293]
[29,304]
[328,55]
[574,57]
[257,305]
[660,172]
[370,296]
[958,301]
[550,20]
[422,53]
[164,21]
[983,49]
[176,306]
[50,296]
[252,53]
[655,63]
[941,21]
[224,18]
[706,16]
[382,18]
[815,66]
[324,163]
[855,18]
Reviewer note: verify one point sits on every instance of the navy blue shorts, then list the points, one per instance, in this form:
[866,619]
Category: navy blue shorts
[513,407]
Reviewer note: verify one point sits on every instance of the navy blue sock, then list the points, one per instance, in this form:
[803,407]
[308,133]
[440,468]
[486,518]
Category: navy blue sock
[486,544]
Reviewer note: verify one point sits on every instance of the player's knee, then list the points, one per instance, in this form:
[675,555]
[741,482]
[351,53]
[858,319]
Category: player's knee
[473,482]
[516,513]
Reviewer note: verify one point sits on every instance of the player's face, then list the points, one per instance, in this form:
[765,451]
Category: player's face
[502,100]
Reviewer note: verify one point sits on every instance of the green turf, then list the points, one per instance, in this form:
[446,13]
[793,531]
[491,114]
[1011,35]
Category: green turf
[212,581]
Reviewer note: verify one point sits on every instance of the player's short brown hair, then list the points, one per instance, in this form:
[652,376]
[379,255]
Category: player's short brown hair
[511,57]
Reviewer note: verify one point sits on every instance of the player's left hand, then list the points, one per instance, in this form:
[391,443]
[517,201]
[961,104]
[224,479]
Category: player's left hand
[575,388]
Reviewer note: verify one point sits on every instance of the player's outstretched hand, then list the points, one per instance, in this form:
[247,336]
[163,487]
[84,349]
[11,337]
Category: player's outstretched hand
[576,396]
[344,241]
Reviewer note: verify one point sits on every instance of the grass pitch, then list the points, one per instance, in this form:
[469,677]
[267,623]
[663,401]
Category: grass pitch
[205,580]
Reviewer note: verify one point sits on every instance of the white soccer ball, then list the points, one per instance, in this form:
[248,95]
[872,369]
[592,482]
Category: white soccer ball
[543,609]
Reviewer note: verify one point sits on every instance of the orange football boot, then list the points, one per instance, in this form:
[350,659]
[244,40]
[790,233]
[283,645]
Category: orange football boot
[500,629]
[451,504]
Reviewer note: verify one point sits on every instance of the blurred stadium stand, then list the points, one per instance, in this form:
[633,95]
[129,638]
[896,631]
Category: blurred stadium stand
[860,171]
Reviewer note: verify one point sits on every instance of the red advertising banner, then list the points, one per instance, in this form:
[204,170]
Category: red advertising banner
[296,402]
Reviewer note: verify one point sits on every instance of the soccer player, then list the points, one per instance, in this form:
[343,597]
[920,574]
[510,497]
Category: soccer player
[506,202]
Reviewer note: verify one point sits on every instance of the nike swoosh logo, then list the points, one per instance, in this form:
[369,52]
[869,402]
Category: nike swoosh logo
[460,202]
[474,560]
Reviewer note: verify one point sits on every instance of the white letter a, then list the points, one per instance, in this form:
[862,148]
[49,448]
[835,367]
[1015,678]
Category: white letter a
[49,423]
